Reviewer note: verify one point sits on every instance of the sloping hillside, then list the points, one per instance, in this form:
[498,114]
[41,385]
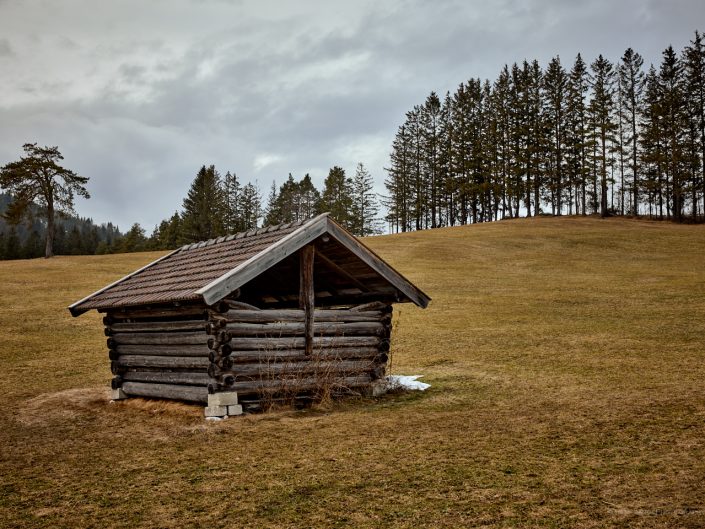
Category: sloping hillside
[567,363]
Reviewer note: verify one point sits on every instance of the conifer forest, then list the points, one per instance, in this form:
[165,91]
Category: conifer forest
[594,137]
[607,138]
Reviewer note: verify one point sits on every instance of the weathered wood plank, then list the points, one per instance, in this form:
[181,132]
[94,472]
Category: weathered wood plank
[158,326]
[299,384]
[298,368]
[167,362]
[299,342]
[166,391]
[167,377]
[369,328]
[174,338]
[159,312]
[306,293]
[241,305]
[373,305]
[164,350]
[292,355]
[330,315]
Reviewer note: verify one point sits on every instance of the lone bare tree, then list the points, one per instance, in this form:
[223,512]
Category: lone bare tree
[37,179]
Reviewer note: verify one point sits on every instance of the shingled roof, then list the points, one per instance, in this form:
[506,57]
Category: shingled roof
[210,270]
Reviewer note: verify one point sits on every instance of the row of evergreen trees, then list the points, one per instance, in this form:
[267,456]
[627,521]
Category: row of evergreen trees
[73,235]
[608,138]
[216,206]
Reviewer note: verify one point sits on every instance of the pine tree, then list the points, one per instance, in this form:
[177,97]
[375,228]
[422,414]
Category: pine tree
[309,198]
[602,120]
[364,207]
[694,80]
[652,153]
[672,107]
[37,179]
[232,192]
[32,246]
[134,240]
[555,84]
[631,86]
[271,214]
[336,197]
[251,206]
[203,208]
[12,244]
[446,180]
[430,152]
[576,133]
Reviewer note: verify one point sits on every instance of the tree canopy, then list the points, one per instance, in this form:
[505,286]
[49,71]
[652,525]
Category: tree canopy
[38,179]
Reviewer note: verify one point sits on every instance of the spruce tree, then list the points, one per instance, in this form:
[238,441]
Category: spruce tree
[336,197]
[631,86]
[672,107]
[364,207]
[694,85]
[203,208]
[251,209]
[576,134]
[602,120]
[272,213]
[555,84]
[232,215]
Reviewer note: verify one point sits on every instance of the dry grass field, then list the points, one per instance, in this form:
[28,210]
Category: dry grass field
[567,363]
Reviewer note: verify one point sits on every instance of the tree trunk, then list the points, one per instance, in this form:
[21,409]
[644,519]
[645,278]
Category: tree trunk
[49,248]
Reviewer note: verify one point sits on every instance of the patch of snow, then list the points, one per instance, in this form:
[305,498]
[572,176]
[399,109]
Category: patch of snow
[408,382]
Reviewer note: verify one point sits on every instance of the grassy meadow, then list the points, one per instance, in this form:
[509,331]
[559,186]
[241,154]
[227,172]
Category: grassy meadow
[567,363]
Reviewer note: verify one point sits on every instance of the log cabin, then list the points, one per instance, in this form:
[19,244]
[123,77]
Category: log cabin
[300,310]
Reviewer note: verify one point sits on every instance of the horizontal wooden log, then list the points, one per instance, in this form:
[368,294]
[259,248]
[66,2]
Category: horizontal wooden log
[373,305]
[167,377]
[292,355]
[174,338]
[298,368]
[250,387]
[368,328]
[198,311]
[240,305]
[276,315]
[158,326]
[167,362]
[166,391]
[239,344]
[163,350]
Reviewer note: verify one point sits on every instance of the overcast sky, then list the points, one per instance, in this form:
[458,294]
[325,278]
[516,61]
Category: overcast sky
[139,94]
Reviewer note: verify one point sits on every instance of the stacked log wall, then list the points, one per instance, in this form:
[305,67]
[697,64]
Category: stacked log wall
[187,353]
[160,352]
[263,352]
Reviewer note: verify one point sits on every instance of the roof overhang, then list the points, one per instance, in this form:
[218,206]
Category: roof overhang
[246,271]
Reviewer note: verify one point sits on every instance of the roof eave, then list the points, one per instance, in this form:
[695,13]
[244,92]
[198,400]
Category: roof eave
[379,265]
[75,309]
[248,270]
[255,265]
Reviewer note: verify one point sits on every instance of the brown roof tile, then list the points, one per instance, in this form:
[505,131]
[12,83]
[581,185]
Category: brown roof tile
[180,274]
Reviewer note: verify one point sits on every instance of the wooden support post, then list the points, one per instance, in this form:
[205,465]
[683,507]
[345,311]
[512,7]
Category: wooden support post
[306,293]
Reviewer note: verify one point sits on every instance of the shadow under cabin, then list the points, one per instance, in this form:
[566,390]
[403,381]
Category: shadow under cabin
[297,311]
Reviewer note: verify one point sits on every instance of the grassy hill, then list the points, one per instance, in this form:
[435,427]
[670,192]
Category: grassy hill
[567,358]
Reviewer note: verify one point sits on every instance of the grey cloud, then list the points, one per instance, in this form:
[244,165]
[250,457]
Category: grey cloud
[5,48]
[306,88]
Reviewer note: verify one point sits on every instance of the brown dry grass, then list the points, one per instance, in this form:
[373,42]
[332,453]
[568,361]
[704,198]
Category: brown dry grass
[567,363]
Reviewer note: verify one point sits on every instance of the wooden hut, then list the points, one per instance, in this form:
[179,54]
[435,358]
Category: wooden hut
[287,311]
